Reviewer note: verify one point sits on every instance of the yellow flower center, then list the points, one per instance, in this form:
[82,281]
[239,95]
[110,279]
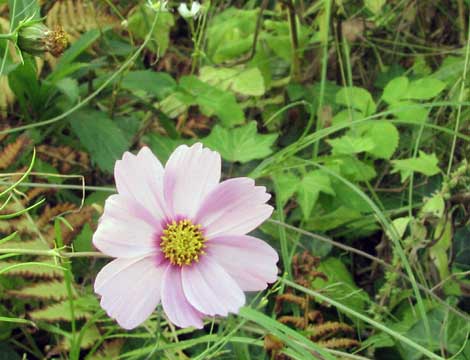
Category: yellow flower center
[182,242]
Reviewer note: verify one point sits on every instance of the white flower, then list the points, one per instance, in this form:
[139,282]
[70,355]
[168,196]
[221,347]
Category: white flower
[189,13]
[158,5]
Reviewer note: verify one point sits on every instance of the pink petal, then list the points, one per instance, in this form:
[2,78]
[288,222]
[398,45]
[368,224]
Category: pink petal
[210,289]
[126,229]
[234,207]
[141,178]
[249,261]
[174,302]
[190,174]
[130,289]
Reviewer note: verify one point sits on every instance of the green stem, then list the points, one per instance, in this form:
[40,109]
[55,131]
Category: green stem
[53,253]
[9,36]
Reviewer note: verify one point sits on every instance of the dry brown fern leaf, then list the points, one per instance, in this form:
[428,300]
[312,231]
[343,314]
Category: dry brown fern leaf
[7,98]
[78,16]
[339,343]
[11,152]
[329,329]
[76,221]
[33,193]
[64,158]
[52,211]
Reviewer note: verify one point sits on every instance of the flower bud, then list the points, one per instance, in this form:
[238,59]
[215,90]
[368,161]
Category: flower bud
[36,39]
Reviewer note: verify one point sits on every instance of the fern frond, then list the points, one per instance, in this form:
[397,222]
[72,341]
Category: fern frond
[58,312]
[33,271]
[64,158]
[35,192]
[329,328]
[50,290]
[12,151]
[26,245]
[52,211]
[77,220]
[339,343]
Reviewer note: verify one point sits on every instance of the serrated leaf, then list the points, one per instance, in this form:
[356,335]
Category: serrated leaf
[425,164]
[357,170]
[385,137]
[347,145]
[333,220]
[32,270]
[395,89]
[139,24]
[59,312]
[356,98]
[424,89]
[25,245]
[286,185]
[248,82]
[241,144]
[50,290]
[211,100]
[409,111]
[159,84]
[309,189]
[100,136]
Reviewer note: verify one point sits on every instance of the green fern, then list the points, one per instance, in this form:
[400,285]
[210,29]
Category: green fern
[50,290]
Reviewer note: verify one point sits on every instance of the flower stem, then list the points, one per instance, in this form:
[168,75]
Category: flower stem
[9,36]
[53,252]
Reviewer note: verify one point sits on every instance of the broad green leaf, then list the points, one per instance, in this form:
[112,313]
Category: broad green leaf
[396,89]
[69,87]
[333,220]
[211,100]
[69,56]
[60,312]
[159,84]
[230,34]
[140,22]
[385,137]
[309,189]
[424,164]
[356,170]
[248,82]
[434,206]
[241,144]
[356,98]
[100,136]
[346,116]
[163,146]
[439,252]
[410,111]
[347,145]
[340,285]
[286,185]
[424,89]
[23,9]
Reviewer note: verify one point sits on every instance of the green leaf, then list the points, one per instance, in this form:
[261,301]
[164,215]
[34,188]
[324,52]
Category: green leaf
[32,270]
[211,100]
[159,84]
[140,22]
[395,89]
[356,98]
[424,164]
[385,137]
[163,146]
[247,82]
[333,220]
[309,189]
[340,286]
[410,111]
[356,170]
[230,34]
[241,144]
[424,89]
[286,185]
[100,136]
[23,9]
[374,6]
[347,145]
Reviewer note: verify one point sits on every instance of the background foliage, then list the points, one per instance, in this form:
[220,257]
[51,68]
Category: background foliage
[355,116]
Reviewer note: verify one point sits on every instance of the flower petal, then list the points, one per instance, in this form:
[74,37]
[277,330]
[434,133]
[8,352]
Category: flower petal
[190,174]
[141,178]
[251,262]
[130,289]
[126,229]
[210,289]
[235,207]
[174,302]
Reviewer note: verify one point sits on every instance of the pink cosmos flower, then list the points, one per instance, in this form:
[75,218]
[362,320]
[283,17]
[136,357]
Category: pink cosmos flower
[179,237]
